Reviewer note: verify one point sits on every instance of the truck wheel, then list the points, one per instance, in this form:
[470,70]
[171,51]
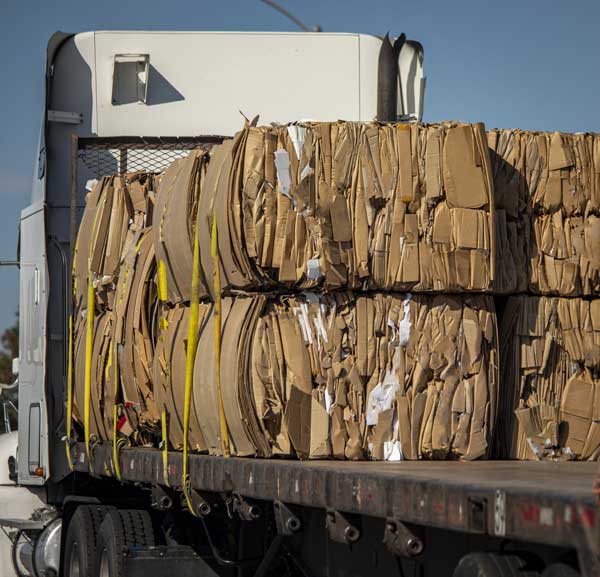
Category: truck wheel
[492,565]
[119,531]
[82,539]
[560,570]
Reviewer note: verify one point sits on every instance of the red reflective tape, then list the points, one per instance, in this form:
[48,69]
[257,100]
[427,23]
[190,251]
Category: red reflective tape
[121,422]
[588,517]
[531,514]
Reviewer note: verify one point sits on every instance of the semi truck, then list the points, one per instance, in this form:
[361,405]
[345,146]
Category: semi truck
[118,102]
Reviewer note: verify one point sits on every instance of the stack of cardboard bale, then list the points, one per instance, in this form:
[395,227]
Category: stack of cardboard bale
[114,297]
[333,206]
[305,222]
[548,199]
[349,266]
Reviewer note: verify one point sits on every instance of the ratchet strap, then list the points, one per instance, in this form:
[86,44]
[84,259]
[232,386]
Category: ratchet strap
[117,442]
[189,364]
[217,286]
[164,423]
[89,342]
[69,394]
[162,281]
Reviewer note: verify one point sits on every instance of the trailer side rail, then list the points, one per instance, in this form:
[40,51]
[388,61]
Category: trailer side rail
[549,503]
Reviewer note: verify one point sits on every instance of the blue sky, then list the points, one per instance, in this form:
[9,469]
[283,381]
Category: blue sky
[526,63]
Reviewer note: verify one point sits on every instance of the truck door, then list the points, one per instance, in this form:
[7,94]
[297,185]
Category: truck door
[33,446]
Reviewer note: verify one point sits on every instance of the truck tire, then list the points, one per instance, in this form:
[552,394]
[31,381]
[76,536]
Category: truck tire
[560,570]
[81,541]
[492,565]
[120,530]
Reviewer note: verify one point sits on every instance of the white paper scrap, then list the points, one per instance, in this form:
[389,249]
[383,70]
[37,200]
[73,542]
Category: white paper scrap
[297,136]
[329,400]
[392,451]
[405,323]
[313,269]
[381,397]
[282,165]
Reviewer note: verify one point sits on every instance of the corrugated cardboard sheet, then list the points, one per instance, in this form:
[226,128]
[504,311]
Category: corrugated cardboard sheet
[334,205]
[547,191]
[340,376]
[550,358]
[175,218]
[169,375]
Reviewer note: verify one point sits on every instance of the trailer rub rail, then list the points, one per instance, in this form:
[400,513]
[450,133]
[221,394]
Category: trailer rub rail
[551,503]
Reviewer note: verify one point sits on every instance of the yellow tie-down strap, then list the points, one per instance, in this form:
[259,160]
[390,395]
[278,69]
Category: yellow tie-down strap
[69,395]
[162,281]
[189,364]
[89,342]
[189,370]
[165,447]
[191,354]
[117,442]
[217,286]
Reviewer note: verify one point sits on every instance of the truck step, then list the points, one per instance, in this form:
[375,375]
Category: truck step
[166,562]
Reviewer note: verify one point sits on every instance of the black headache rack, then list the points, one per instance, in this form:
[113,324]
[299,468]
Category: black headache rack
[102,156]
[541,502]
[97,156]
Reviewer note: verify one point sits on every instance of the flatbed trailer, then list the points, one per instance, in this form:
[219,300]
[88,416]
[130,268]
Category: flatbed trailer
[547,503]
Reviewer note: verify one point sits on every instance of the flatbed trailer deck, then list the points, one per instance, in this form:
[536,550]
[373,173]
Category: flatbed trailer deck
[551,503]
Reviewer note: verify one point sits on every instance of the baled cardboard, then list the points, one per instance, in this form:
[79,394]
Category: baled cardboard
[109,245]
[550,365]
[175,215]
[110,221]
[548,200]
[135,341]
[292,383]
[342,205]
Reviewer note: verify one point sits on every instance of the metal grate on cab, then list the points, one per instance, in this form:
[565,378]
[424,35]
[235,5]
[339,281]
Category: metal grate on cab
[104,156]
